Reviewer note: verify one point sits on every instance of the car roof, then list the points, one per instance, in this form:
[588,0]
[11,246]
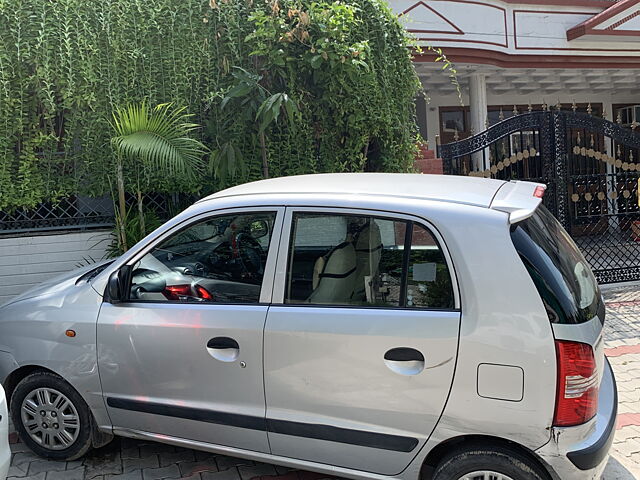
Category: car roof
[445,188]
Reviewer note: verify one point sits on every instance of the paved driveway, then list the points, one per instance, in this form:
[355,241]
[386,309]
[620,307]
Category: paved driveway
[126,459]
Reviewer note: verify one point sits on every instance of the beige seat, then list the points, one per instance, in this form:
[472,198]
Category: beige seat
[368,247]
[334,276]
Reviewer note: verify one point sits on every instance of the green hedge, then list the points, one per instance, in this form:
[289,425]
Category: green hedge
[66,64]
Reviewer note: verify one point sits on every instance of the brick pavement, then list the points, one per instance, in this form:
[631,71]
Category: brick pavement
[126,459]
[622,347]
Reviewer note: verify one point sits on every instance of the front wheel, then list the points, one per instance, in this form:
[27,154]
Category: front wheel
[488,464]
[51,418]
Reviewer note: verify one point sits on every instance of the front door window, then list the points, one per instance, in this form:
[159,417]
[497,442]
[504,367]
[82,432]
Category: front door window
[218,260]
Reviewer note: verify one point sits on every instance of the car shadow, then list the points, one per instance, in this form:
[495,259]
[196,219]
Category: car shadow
[616,471]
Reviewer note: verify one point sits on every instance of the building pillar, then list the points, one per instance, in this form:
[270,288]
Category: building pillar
[478,113]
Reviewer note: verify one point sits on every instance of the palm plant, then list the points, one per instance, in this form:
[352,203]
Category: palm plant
[151,139]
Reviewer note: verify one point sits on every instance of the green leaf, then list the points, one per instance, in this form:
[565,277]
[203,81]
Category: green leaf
[158,139]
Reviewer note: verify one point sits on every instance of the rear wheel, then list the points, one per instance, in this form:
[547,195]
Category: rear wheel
[51,418]
[499,463]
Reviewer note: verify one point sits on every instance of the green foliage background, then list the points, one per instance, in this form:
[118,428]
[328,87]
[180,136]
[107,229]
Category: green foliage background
[65,65]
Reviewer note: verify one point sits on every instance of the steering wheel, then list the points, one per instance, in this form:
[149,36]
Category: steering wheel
[249,253]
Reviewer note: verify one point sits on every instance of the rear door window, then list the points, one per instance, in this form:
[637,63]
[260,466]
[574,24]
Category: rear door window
[559,271]
[359,260]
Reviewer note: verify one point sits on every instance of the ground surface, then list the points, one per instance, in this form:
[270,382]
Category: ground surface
[126,459]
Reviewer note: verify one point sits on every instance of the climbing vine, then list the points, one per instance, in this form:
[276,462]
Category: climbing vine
[66,65]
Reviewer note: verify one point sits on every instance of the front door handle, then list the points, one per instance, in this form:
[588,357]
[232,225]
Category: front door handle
[404,361]
[224,349]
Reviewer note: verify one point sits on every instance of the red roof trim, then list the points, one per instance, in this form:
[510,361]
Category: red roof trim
[499,59]
[454,26]
[458,39]
[588,27]
[563,3]
[613,26]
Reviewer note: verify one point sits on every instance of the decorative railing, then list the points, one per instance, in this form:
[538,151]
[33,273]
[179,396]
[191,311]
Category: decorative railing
[591,167]
[81,213]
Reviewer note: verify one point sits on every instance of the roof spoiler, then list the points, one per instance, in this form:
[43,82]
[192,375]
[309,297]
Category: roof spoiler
[518,199]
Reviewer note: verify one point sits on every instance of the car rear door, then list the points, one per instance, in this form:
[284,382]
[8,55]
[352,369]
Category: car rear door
[360,345]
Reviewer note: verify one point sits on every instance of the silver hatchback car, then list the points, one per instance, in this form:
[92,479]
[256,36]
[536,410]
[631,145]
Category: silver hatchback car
[361,325]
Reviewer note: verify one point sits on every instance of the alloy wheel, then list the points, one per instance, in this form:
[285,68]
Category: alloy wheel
[485,475]
[50,418]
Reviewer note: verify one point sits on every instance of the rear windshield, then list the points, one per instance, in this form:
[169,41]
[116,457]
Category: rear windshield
[561,274]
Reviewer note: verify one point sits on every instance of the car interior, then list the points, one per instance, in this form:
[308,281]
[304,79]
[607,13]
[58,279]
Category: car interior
[339,261]
[218,260]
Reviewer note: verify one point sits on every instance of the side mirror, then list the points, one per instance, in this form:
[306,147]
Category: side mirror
[117,285]
[259,228]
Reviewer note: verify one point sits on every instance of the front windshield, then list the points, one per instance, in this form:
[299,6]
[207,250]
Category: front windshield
[560,272]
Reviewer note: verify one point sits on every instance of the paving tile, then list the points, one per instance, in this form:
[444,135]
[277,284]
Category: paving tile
[183,455]
[191,468]
[622,345]
[225,462]
[628,448]
[293,475]
[258,470]
[229,474]
[39,476]
[155,448]
[19,447]
[304,475]
[18,470]
[133,475]
[75,464]
[282,470]
[626,433]
[129,464]
[202,455]
[172,471]
[24,457]
[73,474]
[127,442]
[104,461]
[129,452]
[45,466]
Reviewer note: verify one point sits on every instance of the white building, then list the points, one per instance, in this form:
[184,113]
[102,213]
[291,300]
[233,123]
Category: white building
[512,55]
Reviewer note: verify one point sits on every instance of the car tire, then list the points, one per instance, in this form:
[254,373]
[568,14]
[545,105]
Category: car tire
[37,402]
[504,461]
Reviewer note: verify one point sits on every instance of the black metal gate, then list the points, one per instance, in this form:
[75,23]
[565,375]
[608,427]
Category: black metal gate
[591,168]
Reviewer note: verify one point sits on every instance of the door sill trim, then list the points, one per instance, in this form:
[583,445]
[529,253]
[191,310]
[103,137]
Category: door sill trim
[248,454]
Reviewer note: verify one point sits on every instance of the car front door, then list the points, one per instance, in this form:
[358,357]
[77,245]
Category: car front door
[182,355]
[360,352]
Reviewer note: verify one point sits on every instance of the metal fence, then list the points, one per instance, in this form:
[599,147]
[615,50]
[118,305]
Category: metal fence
[591,168]
[82,213]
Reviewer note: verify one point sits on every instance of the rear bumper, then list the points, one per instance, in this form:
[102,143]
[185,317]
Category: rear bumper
[582,452]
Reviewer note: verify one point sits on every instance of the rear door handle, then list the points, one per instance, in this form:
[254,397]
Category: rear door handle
[224,349]
[404,361]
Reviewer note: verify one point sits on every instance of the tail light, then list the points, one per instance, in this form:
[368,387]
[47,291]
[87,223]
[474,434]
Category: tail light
[539,191]
[577,391]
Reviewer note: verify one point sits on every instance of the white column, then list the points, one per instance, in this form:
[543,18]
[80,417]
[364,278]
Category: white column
[478,111]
